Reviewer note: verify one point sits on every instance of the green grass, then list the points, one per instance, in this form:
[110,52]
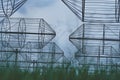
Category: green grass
[58,73]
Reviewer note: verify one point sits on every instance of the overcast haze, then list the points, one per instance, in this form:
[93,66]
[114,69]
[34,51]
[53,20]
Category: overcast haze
[57,14]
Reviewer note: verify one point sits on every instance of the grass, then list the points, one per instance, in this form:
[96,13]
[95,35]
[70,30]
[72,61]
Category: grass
[58,73]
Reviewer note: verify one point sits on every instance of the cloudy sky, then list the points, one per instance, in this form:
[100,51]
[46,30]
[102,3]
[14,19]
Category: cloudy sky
[56,13]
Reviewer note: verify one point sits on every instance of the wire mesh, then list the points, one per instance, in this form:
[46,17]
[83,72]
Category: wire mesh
[95,10]
[8,7]
[95,60]
[25,42]
[31,55]
[64,61]
[23,30]
[96,35]
[98,44]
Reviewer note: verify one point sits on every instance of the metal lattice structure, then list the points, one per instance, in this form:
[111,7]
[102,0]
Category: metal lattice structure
[15,57]
[8,7]
[96,34]
[98,38]
[95,10]
[98,44]
[25,42]
[64,61]
[50,53]
[95,60]
[23,30]
[31,55]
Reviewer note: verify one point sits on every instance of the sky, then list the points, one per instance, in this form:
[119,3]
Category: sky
[57,14]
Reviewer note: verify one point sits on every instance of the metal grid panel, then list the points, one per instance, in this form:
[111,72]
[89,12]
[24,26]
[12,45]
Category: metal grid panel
[97,60]
[30,56]
[8,7]
[95,10]
[97,35]
[23,30]
[98,44]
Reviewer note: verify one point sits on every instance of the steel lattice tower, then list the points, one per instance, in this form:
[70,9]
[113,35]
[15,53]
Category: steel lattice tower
[25,42]
[98,38]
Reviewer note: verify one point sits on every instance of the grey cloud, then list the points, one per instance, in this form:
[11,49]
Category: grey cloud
[40,3]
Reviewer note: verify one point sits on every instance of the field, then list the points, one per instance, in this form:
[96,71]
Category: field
[58,73]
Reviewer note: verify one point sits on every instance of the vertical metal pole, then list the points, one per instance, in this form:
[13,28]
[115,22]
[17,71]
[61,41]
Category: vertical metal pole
[119,41]
[118,10]
[53,54]
[83,36]
[98,60]
[103,45]
[106,62]
[111,57]
[33,64]
[7,65]
[83,10]
[83,43]
[16,57]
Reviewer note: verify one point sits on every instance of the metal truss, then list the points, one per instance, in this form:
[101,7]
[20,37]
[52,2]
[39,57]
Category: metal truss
[32,56]
[8,7]
[64,61]
[94,60]
[96,35]
[93,56]
[25,42]
[23,30]
[97,43]
[95,10]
